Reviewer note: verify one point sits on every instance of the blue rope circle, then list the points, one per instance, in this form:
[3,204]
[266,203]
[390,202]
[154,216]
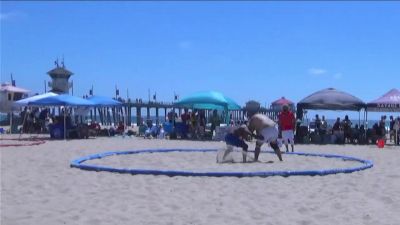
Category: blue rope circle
[77,163]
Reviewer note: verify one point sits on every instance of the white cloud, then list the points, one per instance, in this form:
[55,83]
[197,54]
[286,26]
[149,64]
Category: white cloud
[337,76]
[185,44]
[11,15]
[317,71]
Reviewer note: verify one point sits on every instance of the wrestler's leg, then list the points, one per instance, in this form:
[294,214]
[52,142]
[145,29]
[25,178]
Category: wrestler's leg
[274,145]
[257,150]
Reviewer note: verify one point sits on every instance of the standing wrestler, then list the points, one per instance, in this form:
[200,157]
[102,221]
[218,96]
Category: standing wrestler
[266,128]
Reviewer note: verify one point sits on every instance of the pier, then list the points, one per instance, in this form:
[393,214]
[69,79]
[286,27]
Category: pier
[114,115]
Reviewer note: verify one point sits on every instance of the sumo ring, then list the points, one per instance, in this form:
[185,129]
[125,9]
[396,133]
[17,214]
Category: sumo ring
[78,163]
[27,142]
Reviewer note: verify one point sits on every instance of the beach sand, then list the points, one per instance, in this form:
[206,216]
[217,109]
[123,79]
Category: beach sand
[39,187]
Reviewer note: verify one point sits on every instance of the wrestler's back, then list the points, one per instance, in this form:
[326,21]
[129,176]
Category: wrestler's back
[260,121]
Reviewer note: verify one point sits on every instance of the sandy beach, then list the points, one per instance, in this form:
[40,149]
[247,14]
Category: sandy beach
[39,187]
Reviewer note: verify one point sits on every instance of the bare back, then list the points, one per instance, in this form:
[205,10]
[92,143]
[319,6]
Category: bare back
[260,121]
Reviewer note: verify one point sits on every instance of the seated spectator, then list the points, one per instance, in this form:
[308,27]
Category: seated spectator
[375,133]
[161,132]
[355,134]
[120,128]
[151,132]
[362,135]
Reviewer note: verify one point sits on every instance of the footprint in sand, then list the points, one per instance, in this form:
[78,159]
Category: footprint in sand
[302,210]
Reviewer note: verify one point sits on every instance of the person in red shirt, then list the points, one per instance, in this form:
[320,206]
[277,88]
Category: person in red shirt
[287,124]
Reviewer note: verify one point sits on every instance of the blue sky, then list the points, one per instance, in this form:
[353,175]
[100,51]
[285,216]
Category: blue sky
[247,50]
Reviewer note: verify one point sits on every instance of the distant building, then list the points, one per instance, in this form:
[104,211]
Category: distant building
[9,94]
[59,77]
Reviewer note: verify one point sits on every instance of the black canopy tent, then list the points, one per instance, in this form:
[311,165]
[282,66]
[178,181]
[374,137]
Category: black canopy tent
[329,99]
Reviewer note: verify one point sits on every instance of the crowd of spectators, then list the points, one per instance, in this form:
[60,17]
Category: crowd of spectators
[344,132]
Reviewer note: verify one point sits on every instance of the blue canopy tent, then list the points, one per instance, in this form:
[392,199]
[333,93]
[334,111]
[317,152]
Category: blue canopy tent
[209,100]
[62,100]
[25,101]
[104,101]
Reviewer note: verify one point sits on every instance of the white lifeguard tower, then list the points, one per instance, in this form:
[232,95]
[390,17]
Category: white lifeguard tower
[59,77]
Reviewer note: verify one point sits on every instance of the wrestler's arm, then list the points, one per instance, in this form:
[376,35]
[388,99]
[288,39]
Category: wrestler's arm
[257,135]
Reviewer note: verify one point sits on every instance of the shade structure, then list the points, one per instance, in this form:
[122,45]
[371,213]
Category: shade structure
[26,101]
[208,100]
[330,99]
[61,100]
[104,101]
[277,104]
[389,102]
[282,101]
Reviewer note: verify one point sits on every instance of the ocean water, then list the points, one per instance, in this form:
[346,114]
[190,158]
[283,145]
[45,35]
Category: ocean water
[4,120]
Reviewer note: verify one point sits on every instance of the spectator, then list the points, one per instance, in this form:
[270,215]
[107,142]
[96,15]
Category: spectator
[337,131]
[120,128]
[391,128]
[376,133]
[215,121]
[317,123]
[382,127]
[337,126]
[324,126]
[231,121]
[42,119]
[287,125]
[346,129]
[396,128]
[193,122]
[202,123]
[185,116]
[171,116]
